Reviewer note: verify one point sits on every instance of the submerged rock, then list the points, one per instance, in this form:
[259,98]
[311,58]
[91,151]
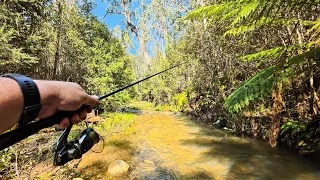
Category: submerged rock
[95,119]
[161,173]
[148,162]
[118,167]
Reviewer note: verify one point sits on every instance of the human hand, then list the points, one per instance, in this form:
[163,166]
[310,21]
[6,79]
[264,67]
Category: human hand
[63,96]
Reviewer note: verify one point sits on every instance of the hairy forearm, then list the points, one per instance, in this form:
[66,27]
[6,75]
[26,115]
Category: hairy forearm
[12,102]
[54,96]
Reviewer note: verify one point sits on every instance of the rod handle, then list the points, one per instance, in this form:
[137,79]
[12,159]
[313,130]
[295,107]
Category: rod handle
[14,136]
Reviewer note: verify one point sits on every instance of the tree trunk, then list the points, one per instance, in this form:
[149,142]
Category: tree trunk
[204,19]
[278,107]
[135,31]
[314,99]
[57,54]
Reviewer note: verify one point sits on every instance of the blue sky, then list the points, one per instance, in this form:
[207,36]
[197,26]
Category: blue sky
[112,21]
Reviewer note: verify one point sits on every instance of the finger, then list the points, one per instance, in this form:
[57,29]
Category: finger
[83,115]
[75,119]
[89,110]
[91,100]
[64,123]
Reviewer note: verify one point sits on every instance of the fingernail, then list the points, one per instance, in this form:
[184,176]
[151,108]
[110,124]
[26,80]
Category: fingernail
[95,97]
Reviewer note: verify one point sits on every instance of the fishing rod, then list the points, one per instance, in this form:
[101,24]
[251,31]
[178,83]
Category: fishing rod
[88,136]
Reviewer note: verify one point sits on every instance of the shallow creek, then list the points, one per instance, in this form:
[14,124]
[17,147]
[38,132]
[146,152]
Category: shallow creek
[162,145]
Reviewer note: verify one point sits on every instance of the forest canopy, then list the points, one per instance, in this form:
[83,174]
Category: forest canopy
[63,40]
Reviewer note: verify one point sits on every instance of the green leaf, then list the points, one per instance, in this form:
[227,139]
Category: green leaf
[263,82]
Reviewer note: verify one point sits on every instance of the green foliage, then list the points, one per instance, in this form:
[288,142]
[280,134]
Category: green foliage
[278,45]
[107,68]
[20,40]
[270,53]
[262,83]
[315,30]
[115,122]
[62,40]
[248,16]
[252,89]
[6,156]
[300,134]
[11,56]
[295,127]
[181,101]
[140,105]
[166,107]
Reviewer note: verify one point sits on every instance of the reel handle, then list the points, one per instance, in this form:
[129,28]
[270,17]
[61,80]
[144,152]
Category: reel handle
[14,136]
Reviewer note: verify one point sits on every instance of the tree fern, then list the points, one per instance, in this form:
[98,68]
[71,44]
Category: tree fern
[263,21]
[270,53]
[199,13]
[246,10]
[248,27]
[244,16]
[231,14]
[249,14]
[315,30]
[214,11]
[255,87]
[262,83]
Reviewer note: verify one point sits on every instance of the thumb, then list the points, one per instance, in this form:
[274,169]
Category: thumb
[91,100]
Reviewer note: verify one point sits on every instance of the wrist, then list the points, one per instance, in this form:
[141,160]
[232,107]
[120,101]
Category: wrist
[49,95]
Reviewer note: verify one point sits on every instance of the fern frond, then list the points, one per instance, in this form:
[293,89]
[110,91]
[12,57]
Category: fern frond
[270,53]
[199,13]
[230,15]
[248,27]
[262,22]
[215,11]
[219,10]
[239,30]
[315,28]
[259,85]
[246,10]
[262,83]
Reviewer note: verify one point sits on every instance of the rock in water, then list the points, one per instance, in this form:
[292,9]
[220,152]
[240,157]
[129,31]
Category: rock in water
[148,162]
[118,167]
[95,119]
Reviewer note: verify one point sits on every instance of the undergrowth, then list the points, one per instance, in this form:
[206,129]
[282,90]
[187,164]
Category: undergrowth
[22,160]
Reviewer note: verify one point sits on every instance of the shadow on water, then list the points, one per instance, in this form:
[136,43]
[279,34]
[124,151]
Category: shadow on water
[251,158]
[131,111]
[121,144]
[169,174]
[95,165]
[200,175]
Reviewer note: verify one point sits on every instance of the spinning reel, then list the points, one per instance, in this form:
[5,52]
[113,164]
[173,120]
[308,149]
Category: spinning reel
[66,151]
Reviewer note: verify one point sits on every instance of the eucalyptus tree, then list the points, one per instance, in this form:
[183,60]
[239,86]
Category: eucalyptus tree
[127,10]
